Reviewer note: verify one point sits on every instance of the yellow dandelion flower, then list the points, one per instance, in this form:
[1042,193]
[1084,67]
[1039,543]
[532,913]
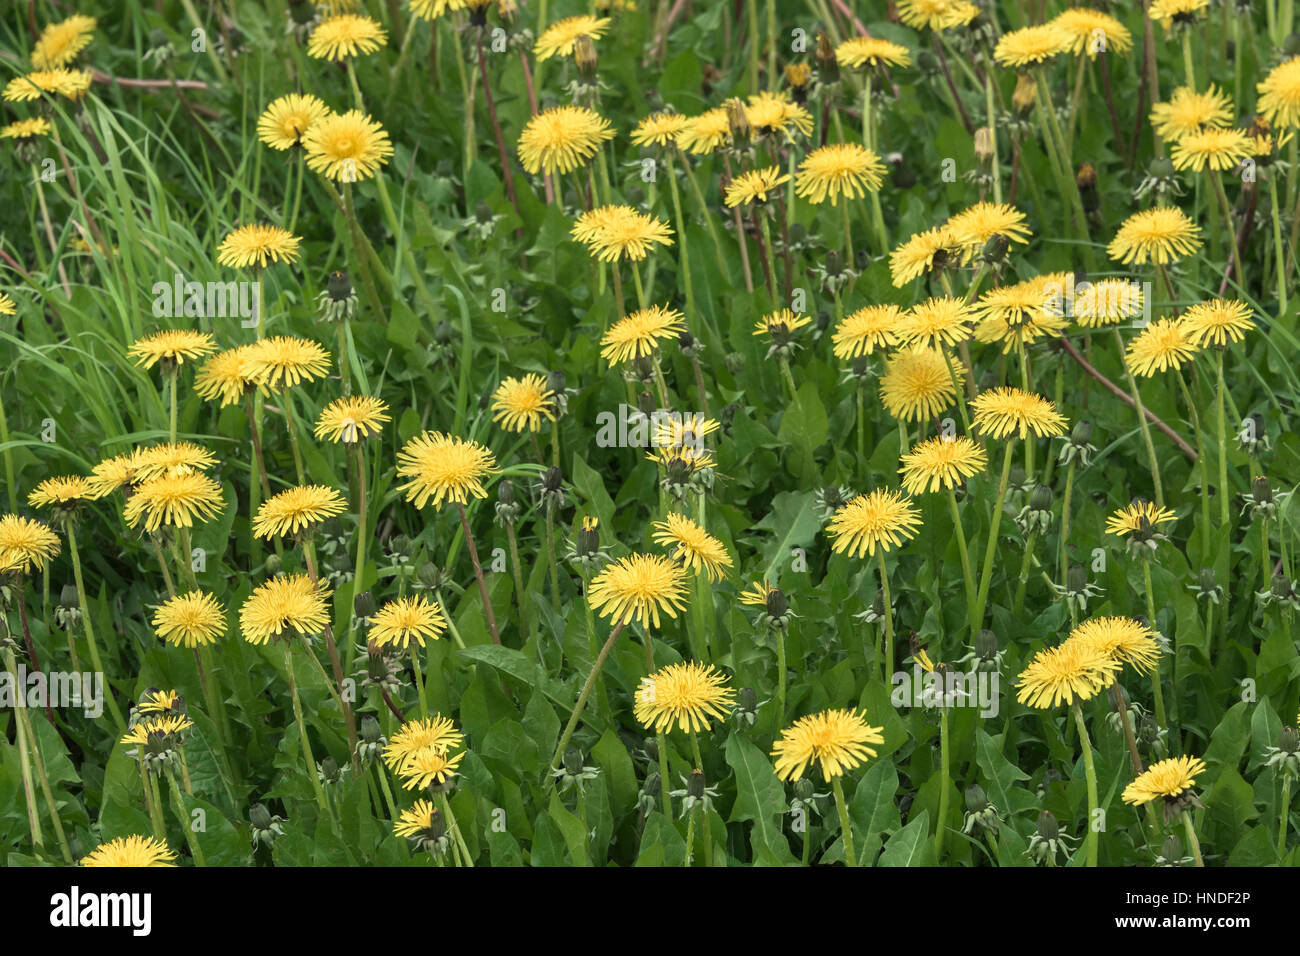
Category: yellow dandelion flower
[352,418]
[1189,112]
[427,767]
[1169,13]
[683,431]
[7,305]
[703,134]
[131,851]
[1129,519]
[61,43]
[691,546]
[297,509]
[436,733]
[346,147]
[71,84]
[442,468]
[174,501]
[611,233]
[924,252]
[114,473]
[1063,674]
[688,695]
[171,347]
[345,36]
[558,39]
[430,10]
[941,462]
[659,129]
[284,606]
[638,334]
[1161,346]
[1160,236]
[283,361]
[160,702]
[835,741]
[151,729]
[225,377]
[416,820]
[1211,148]
[522,403]
[1001,412]
[1279,95]
[1091,32]
[172,458]
[194,619]
[639,588]
[26,545]
[865,330]
[1031,46]
[840,169]
[407,621]
[25,131]
[287,119]
[881,519]
[1169,780]
[60,491]
[1106,302]
[774,113]
[781,323]
[1018,315]
[975,226]
[1123,639]
[754,186]
[561,139]
[936,322]
[859,52]
[258,245]
[936,14]
[917,385]
[1218,322]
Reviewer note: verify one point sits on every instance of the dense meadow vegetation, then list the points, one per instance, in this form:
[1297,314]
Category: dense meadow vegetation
[649,432]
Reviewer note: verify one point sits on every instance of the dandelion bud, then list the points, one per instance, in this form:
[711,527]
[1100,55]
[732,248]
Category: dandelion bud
[259,816]
[747,700]
[986,645]
[556,381]
[646,404]
[735,362]
[1025,95]
[1281,587]
[776,604]
[552,480]
[738,120]
[573,761]
[1288,740]
[584,58]
[329,770]
[651,748]
[827,64]
[1261,490]
[363,605]
[442,332]
[983,144]
[928,63]
[68,598]
[589,537]
[429,574]
[804,789]
[506,492]
[1048,828]
[1161,168]
[652,782]
[1148,730]
[995,249]
[1207,580]
[976,801]
[695,786]
[1171,851]
[370,729]
[1041,500]
[1076,578]
[272,564]
[1086,177]
[339,286]
[798,76]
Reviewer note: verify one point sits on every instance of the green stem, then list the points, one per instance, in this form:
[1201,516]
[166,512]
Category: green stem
[587,686]
[968,575]
[87,620]
[990,549]
[1143,427]
[1091,771]
[941,829]
[1191,838]
[889,615]
[846,829]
